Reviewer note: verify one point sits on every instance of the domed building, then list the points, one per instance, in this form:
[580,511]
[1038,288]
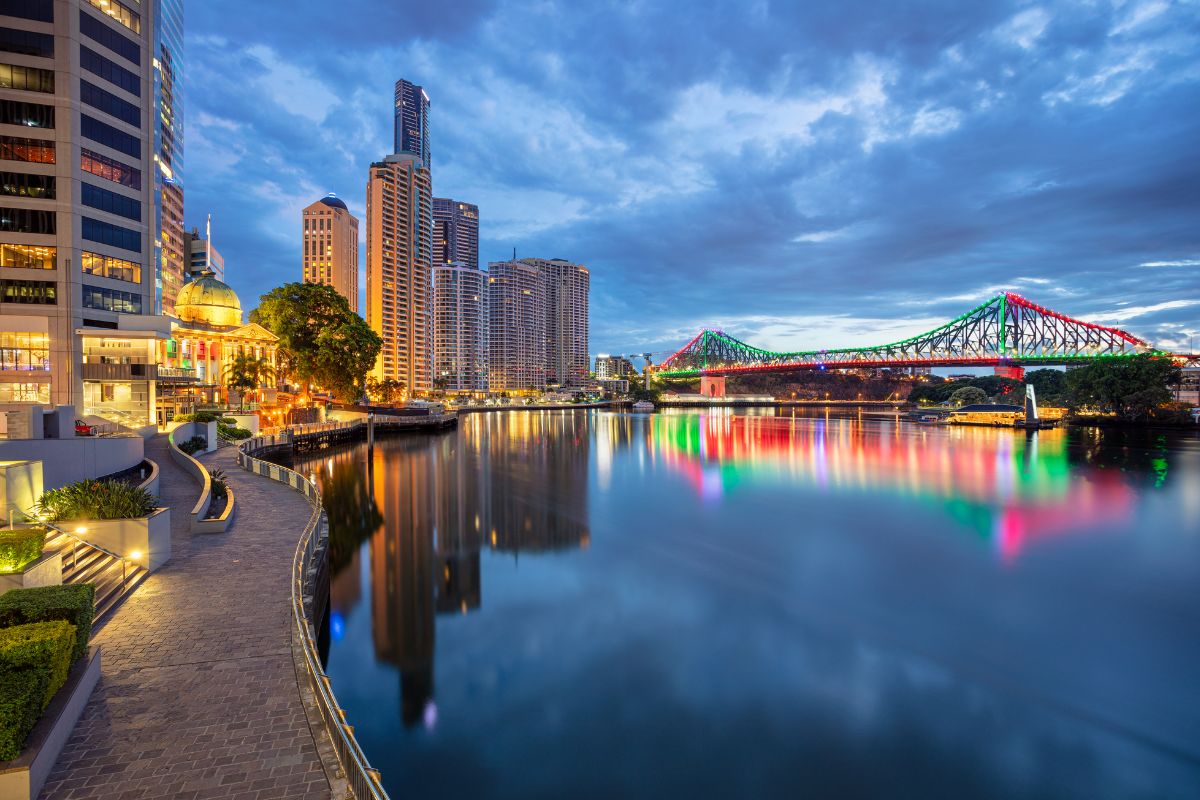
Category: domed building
[207,334]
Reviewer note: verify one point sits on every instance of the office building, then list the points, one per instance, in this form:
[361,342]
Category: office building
[516,308]
[459,328]
[613,367]
[567,287]
[171,254]
[79,202]
[455,232]
[412,121]
[331,247]
[202,254]
[399,261]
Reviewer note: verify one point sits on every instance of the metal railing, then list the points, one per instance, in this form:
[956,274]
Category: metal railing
[364,781]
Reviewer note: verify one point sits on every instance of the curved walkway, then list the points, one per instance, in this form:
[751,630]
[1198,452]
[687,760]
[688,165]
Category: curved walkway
[198,696]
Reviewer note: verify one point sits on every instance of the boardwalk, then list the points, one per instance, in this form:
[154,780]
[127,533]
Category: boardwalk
[198,697]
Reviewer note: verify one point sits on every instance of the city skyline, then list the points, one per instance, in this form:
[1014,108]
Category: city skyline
[878,175]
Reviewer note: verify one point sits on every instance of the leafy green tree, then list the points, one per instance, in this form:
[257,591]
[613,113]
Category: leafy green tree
[246,373]
[968,395]
[388,390]
[1132,387]
[1050,385]
[320,339]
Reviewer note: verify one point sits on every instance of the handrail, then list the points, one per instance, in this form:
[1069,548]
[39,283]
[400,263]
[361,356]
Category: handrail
[364,781]
[78,540]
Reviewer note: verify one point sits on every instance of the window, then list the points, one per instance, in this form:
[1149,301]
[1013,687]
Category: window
[26,220]
[107,135]
[24,351]
[28,256]
[92,95]
[121,13]
[109,267]
[97,31]
[110,71]
[42,293]
[34,151]
[24,393]
[32,79]
[111,202]
[108,168]
[20,184]
[39,10]
[32,115]
[96,231]
[112,300]
[27,43]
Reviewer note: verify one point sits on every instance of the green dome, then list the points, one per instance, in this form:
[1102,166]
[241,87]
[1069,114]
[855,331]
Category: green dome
[208,300]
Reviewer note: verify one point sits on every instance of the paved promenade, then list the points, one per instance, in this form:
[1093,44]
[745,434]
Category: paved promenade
[198,697]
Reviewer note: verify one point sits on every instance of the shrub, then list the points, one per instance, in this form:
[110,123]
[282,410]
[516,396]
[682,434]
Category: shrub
[104,499]
[205,416]
[232,432]
[43,646]
[21,693]
[73,603]
[194,445]
[20,547]
[220,484]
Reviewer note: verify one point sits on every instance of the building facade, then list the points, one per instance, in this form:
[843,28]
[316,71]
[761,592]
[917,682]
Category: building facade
[331,247]
[412,121]
[455,232]
[201,254]
[459,328]
[399,263]
[79,223]
[516,327]
[167,65]
[567,288]
[613,368]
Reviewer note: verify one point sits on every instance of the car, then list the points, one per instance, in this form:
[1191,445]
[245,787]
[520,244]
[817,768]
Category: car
[83,429]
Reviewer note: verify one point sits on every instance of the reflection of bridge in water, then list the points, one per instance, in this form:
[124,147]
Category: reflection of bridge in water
[1013,489]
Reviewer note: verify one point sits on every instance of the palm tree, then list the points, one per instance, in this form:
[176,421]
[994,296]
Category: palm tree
[248,373]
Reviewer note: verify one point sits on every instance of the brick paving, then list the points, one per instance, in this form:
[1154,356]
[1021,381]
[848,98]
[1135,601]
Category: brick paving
[198,696]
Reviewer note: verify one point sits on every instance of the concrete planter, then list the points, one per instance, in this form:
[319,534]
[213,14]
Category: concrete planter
[144,540]
[23,777]
[151,482]
[46,571]
[218,524]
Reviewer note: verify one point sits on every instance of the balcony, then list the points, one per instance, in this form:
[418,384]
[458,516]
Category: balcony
[176,374]
[119,372]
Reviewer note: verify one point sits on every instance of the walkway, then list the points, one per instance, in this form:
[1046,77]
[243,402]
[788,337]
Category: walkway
[198,697]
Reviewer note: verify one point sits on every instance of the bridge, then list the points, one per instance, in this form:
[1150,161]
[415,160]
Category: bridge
[1005,331]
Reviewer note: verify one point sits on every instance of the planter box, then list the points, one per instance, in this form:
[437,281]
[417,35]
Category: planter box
[149,537]
[218,524]
[20,487]
[46,571]
[23,777]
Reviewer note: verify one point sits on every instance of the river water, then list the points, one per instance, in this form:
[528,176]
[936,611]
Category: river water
[600,605]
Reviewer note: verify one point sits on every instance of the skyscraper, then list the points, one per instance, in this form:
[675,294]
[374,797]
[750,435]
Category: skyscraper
[202,254]
[331,247]
[459,328]
[167,63]
[516,327]
[567,288]
[79,219]
[412,121]
[399,260]
[455,232]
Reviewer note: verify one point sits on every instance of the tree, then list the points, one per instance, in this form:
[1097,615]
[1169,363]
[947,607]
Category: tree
[968,395]
[320,339]
[388,390]
[1130,386]
[246,373]
[1048,384]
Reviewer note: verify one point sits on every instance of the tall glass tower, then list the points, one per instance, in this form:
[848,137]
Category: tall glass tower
[412,121]
[167,60]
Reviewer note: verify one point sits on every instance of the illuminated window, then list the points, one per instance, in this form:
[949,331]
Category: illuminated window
[108,168]
[28,256]
[22,184]
[24,393]
[110,267]
[31,79]
[24,351]
[121,13]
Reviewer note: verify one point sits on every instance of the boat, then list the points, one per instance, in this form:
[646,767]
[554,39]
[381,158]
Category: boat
[929,419]
[643,405]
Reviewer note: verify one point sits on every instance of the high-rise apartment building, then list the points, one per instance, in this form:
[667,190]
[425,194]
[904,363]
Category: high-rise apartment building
[613,367]
[331,247]
[202,254]
[171,255]
[79,202]
[399,261]
[459,328]
[567,288]
[455,232]
[412,121]
[516,327]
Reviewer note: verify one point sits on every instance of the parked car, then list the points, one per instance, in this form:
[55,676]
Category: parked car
[83,429]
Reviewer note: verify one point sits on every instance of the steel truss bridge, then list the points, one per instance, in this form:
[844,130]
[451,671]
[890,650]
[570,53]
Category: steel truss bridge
[1007,330]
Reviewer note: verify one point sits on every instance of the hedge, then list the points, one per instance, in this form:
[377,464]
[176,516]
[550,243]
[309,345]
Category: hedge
[44,646]
[21,693]
[20,547]
[73,603]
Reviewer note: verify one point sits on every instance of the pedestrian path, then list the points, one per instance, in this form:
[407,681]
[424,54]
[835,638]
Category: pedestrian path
[198,697]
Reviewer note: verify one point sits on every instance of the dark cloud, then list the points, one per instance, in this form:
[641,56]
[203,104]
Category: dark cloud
[772,166]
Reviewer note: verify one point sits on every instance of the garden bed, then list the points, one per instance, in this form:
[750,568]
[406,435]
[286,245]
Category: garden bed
[132,476]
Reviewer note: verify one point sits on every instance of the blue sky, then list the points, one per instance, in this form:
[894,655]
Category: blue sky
[799,174]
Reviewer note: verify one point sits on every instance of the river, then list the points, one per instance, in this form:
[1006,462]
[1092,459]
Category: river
[597,605]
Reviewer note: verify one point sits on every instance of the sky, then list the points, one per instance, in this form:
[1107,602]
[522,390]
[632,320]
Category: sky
[798,174]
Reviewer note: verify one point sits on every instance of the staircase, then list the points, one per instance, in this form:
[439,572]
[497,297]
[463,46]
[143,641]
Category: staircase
[113,576]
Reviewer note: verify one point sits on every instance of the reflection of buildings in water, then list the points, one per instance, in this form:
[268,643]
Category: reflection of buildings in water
[1011,486]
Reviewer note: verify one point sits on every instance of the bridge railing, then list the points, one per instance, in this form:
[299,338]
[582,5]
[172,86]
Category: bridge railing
[363,780]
